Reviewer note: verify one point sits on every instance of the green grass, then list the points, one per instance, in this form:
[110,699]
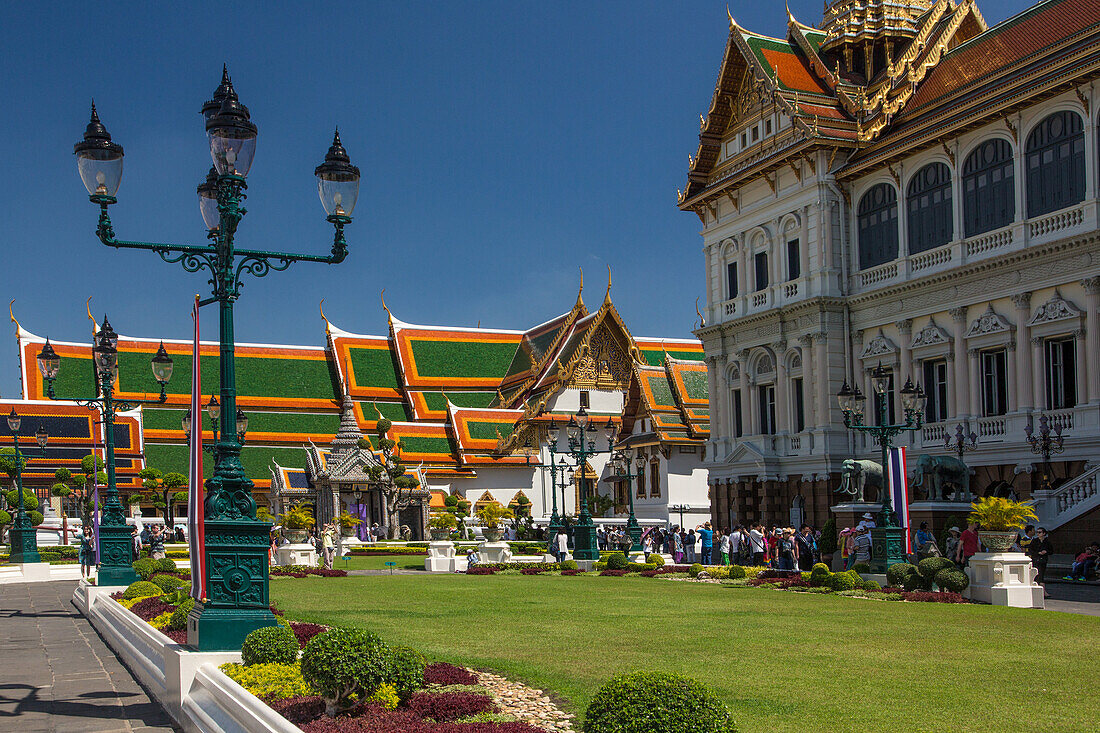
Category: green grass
[781,661]
[378,562]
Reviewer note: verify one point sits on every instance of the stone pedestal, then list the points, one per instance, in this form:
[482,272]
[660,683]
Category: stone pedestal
[936,513]
[494,552]
[441,557]
[303,554]
[1004,579]
[35,572]
[850,514]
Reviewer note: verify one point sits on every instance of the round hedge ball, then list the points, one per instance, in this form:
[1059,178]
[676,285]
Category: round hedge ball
[655,702]
[406,671]
[695,569]
[141,589]
[344,662]
[898,572]
[916,581]
[616,561]
[655,559]
[166,583]
[952,579]
[178,620]
[930,567]
[270,645]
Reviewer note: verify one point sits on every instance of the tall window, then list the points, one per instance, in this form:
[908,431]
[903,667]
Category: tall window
[794,260]
[989,196]
[935,386]
[735,407]
[878,226]
[641,484]
[731,281]
[1061,374]
[761,263]
[767,409]
[994,382]
[931,218]
[1055,164]
[798,405]
[654,478]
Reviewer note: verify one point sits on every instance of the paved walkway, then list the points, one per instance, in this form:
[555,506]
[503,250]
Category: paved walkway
[1081,598]
[58,675]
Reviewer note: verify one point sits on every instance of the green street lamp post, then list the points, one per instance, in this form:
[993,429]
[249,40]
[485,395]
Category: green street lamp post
[115,543]
[581,439]
[555,518]
[236,541]
[620,463]
[887,540]
[1045,443]
[23,535]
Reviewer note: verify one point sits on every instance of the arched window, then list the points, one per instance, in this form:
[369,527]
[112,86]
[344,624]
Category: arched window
[930,219]
[1055,164]
[989,196]
[878,226]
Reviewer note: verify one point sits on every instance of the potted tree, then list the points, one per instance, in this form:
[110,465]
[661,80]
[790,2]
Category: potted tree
[296,522]
[348,524]
[441,525]
[999,520]
[492,518]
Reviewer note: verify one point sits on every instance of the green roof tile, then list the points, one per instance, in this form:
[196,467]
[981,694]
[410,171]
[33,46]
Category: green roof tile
[374,368]
[462,358]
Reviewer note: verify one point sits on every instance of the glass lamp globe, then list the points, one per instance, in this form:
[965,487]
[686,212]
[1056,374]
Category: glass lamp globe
[162,365]
[232,137]
[186,421]
[242,422]
[49,363]
[337,180]
[98,160]
[41,437]
[14,421]
[208,200]
[213,409]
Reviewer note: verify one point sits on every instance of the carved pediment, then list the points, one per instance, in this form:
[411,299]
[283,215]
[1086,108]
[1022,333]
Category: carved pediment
[878,346]
[989,322]
[930,335]
[604,363]
[1055,309]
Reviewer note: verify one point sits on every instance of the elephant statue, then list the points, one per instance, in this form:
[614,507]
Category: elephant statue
[944,470]
[857,476]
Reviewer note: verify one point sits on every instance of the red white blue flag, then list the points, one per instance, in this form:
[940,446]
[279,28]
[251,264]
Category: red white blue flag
[899,491]
[195,520]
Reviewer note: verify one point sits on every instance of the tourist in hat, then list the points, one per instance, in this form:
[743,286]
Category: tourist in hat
[951,544]
[861,545]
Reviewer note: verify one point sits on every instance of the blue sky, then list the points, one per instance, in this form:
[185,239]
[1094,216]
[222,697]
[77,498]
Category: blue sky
[502,144]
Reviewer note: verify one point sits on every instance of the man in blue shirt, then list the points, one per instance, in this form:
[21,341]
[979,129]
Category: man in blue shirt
[706,534]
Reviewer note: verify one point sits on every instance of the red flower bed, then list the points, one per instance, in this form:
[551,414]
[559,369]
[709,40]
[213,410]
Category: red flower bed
[481,570]
[533,571]
[300,709]
[442,673]
[649,573]
[150,608]
[571,572]
[614,573]
[374,719]
[932,597]
[305,632]
[445,706]
[179,636]
[299,571]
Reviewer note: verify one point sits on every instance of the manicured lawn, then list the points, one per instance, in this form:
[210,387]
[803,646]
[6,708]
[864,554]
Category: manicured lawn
[378,562]
[782,661]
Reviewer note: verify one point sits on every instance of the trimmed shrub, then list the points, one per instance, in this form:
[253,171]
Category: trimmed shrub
[655,702]
[737,572]
[340,663]
[35,517]
[49,556]
[405,674]
[819,573]
[141,589]
[870,585]
[861,567]
[616,561]
[167,583]
[268,681]
[952,579]
[145,568]
[695,569]
[916,582]
[599,565]
[930,567]
[178,622]
[719,572]
[446,706]
[841,582]
[305,632]
[441,673]
[165,565]
[569,565]
[655,559]
[898,572]
[614,573]
[270,645]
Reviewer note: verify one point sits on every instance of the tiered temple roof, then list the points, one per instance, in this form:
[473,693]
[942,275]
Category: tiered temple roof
[673,397]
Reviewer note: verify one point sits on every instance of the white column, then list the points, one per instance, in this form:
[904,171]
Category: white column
[962,388]
[782,389]
[746,398]
[1090,159]
[821,377]
[1011,388]
[805,344]
[1024,395]
[804,248]
[1092,335]
[975,407]
[1020,171]
[905,368]
[957,196]
[1082,367]
[1038,374]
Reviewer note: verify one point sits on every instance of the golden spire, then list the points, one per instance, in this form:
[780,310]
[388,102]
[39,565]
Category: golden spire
[12,314]
[580,289]
[702,321]
[321,307]
[733,23]
[389,315]
[607,295]
[88,307]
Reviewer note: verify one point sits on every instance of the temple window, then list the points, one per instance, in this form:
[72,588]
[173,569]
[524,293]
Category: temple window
[731,280]
[931,218]
[654,478]
[994,365]
[1061,374]
[1055,164]
[794,260]
[935,386]
[878,226]
[760,261]
[989,196]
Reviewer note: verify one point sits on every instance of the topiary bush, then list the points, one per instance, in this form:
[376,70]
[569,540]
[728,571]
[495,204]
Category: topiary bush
[405,673]
[737,572]
[165,565]
[841,582]
[870,585]
[898,572]
[916,582]
[145,568]
[861,567]
[695,569]
[141,589]
[930,567]
[616,561]
[178,621]
[270,645]
[819,573]
[655,559]
[35,517]
[656,702]
[340,663]
[569,565]
[167,583]
[952,579]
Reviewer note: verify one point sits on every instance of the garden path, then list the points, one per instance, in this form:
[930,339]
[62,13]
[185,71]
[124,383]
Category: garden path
[58,675]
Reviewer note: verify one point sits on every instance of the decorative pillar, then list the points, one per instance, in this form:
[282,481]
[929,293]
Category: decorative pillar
[952,388]
[1038,389]
[975,407]
[905,331]
[1012,389]
[1082,367]
[805,344]
[782,384]
[1024,396]
[1092,336]
[821,376]
[746,398]
[962,389]
[715,379]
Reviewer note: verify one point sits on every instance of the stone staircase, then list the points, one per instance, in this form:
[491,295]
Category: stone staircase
[1069,501]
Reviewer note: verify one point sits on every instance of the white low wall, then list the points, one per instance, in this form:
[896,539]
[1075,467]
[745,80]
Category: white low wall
[38,572]
[189,685]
